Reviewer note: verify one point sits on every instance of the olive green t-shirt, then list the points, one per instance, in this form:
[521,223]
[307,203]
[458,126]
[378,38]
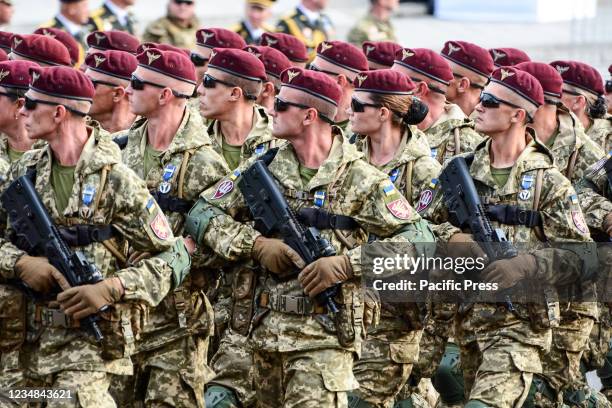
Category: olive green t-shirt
[306,174]
[62,180]
[151,158]
[231,154]
[14,155]
[500,175]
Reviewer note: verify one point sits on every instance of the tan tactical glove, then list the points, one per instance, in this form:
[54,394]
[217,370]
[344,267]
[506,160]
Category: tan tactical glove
[607,225]
[508,272]
[276,256]
[82,301]
[36,272]
[463,245]
[324,273]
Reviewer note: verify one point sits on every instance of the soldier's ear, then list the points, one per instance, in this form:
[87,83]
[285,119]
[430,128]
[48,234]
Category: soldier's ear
[463,85]
[384,114]
[421,89]
[118,93]
[236,94]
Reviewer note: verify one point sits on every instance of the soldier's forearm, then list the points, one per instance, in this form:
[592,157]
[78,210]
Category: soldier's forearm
[9,254]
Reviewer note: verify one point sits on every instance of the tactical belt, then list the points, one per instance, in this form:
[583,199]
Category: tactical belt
[514,215]
[299,305]
[172,204]
[49,317]
[83,235]
[321,219]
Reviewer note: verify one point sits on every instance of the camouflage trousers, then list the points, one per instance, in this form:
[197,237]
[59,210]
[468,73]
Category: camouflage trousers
[599,339]
[304,379]
[384,366]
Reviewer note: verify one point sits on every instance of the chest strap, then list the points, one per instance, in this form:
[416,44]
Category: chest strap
[322,220]
[170,203]
[514,215]
[83,235]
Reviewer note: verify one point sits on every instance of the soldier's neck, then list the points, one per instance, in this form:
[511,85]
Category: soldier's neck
[467,102]
[162,126]
[507,146]
[384,144]
[68,142]
[312,146]
[584,119]
[17,136]
[545,122]
[236,127]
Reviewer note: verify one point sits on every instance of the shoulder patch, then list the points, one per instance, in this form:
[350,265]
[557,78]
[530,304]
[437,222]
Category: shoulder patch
[223,188]
[160,226]
[579,222]
[400,208]
[425,199]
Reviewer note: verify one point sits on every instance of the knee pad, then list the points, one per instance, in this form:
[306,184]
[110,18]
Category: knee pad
[448,380]
[217,396]
[356,402]
[476,404]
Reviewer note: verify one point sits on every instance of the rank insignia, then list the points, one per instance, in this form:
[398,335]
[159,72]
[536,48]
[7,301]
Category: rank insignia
[88,195]
[527,181]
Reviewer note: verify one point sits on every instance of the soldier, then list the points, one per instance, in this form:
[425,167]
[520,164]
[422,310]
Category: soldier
[308,24]
[14,82]
[110,72]
[77,54]
[6,12]
[73,18]
[382,109]
[448,129]
[275,62]
[116,15]
[472,65]
[255,24]
[342,62]
[380,54]
[206,40]
[513,168]
[376,24]
[82,182]
[504,57]
[177,28]
[291,46]
[43,50]
[297,360]
[583,94]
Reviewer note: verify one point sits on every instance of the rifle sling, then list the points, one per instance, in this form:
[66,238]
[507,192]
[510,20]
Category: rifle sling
[83,235]
[321,219]
[514,215]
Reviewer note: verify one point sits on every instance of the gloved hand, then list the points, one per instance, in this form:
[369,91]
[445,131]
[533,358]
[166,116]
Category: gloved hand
[276,256]
[82,301]
[37,273]
[508,272]
[462,245]
[324,273]
[607,225]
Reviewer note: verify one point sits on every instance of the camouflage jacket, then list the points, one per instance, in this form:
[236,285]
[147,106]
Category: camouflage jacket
[370,29]
[124,203]
[109,20]
[442,134]
[242,29]
[412,169]
[298,25]
[164,30]
[344,184]
[601,132]
[595,197]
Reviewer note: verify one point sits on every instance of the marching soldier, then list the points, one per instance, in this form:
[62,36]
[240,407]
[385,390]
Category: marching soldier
[376,24]
[505,57]
[75,50]
[255,24]
[82,183]
[43,50]
[308,24]
[116,15]
[208,39]
[291,46]
[275,62]
[380,54]
[73,18]
[177,28]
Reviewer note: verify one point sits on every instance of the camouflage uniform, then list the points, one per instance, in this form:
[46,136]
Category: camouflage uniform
[311,34]
[601,131]
[53,353]
[165,30]
[298,363]
[110,21]
[502,350]
[369,28]
[451,126]
[171,361]
[242,29]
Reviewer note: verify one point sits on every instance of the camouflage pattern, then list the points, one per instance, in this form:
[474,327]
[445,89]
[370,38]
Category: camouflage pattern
[174,343]
[601,131]
[507,349]
[109,20]
[369,28]
[592,192]
[53,354]
[165,30]
[357,192]
[311,34]
[441,135]
[242,29]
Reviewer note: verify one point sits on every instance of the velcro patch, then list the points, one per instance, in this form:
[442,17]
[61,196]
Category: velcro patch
[224,188]
[425,199]
[579,222]
[160,226]
[400,208]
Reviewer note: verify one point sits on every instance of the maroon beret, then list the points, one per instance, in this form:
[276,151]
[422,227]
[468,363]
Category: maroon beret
[173,64]
[425,62]
[381,52]
[469,56]
[274,61]
[550,79]
[3,55]
[163,47]
[580,75]
[343,54]
[314,83]
[62,82]
[240,63]
[113,40]
[384,81]
[505,57]
[118,64]
[16,74]
[521,82]
[288,44]
[219,38]
[6,40]
[62,36]
[41,49]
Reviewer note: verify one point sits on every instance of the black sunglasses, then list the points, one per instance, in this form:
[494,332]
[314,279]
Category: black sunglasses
[313,67]
[281,105]
[488,100]
[472,85]
[138,85]
[359,106]
[13,97]
[210,82]
[609,86]
[31,104]
[95,83]
[198,60]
